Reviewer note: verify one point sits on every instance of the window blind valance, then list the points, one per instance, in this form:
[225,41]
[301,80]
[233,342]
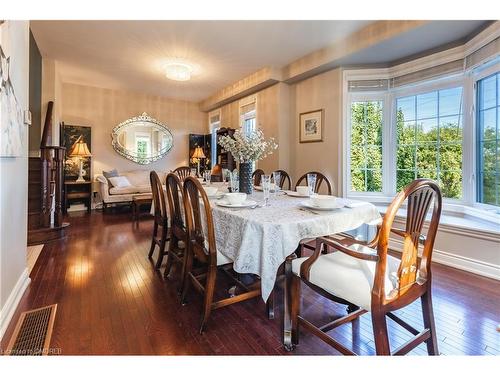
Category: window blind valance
[475,59]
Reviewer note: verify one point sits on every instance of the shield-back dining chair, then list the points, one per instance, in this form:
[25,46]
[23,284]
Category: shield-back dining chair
[320,178]
[202,246]
[366,276]
[160,219]
[178,234]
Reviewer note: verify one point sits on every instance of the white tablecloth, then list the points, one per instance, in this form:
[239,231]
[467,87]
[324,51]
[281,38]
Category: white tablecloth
[259,240]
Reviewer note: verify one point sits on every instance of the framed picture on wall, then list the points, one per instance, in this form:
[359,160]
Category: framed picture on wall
[311,126]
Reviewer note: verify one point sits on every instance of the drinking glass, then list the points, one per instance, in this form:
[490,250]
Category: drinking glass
[193,172]
[207,175]
[235,182]
[266,188]
[277,180]
[311,182]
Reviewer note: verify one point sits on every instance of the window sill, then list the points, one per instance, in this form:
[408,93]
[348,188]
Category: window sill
[454,217]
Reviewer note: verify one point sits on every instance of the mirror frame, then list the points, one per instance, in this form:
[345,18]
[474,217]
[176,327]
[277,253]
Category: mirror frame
[144,118]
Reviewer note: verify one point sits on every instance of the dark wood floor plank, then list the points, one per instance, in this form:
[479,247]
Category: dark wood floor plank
[112,301]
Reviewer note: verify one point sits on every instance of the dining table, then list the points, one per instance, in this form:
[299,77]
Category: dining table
[259,238]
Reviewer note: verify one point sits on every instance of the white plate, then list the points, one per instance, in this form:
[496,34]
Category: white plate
[215,196]
[224,203]
[294,194]
[339,203]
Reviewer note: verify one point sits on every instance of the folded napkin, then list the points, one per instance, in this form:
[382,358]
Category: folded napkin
[353,204]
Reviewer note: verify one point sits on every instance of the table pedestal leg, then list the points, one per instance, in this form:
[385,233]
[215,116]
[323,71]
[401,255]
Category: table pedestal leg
[287,319]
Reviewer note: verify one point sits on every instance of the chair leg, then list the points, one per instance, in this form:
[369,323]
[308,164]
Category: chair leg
[295,309]
[209,295]
[380,333]
[171,246]
[270,306]
[428,314]
[155,233]
[163,242]
[187,268]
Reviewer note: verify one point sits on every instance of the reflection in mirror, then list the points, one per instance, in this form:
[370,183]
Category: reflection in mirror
[142,139]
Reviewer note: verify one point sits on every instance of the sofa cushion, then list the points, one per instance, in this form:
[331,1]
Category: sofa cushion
[143,188]
[124,190]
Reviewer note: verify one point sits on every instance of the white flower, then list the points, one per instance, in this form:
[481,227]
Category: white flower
[248,147]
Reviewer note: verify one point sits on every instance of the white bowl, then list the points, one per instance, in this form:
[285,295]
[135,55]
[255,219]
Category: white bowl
[211,190]
[324,201]
[236,198]
[303,190]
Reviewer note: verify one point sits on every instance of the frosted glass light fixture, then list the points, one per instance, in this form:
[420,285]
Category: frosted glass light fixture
[178,71]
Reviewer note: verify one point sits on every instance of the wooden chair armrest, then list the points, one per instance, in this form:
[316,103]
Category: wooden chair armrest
[363,252]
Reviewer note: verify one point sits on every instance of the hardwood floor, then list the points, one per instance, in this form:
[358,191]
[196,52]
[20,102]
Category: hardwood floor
[112,301]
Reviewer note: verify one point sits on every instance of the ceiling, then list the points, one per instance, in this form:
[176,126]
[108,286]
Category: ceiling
[130,54]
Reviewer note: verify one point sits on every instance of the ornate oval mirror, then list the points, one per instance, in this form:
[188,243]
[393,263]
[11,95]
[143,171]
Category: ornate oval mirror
[142,139]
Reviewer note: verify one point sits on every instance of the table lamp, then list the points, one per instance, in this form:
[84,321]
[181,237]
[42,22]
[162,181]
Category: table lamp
[80,151]
[198,154]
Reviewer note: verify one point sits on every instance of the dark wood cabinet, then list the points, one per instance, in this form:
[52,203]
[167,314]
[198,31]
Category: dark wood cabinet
[222,158]
[77,192]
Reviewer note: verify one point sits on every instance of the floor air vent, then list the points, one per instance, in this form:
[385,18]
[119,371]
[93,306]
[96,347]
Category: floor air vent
[33,332]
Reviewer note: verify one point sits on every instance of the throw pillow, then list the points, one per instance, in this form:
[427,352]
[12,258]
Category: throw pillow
[120,181]
[108,175]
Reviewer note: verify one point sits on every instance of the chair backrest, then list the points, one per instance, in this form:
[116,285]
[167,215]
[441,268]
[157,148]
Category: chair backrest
[198,217]
[412,274]
[175,204]
[160,207]
[257,176]
[320,177]
[284,177]
[182,172]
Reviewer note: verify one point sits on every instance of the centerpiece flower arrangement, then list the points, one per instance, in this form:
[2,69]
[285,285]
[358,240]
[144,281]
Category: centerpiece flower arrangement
[247,147]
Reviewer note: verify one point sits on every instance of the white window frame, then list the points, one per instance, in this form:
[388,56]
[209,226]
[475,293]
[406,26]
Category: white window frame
[213,127]
[252,99]
[474,77]
[365,97]
[467,204]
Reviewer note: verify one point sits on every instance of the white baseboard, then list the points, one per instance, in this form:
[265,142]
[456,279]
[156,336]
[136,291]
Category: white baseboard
[458,261]
[12,301]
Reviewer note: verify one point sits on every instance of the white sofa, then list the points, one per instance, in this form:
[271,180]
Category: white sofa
[139,180]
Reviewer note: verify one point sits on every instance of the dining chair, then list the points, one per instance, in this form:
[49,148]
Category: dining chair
[284,177]
[182,172]
[202,247]
[365,275]
[178,234]
[257,176]
[160,219]
[320,177]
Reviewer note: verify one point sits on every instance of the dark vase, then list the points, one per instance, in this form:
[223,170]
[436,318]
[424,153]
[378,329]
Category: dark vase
[245,175]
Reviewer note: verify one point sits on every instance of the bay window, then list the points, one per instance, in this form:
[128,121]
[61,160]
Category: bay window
[366,146]
[429,139]
[488,156]
[446,128]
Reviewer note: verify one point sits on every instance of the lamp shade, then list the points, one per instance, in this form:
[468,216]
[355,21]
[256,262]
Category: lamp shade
[198,153]
[80,149]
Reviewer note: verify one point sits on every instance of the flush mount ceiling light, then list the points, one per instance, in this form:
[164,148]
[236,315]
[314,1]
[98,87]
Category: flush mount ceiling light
[179,70]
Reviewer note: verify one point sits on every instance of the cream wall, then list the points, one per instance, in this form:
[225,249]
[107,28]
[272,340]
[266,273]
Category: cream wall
[52,91]
[278,109]
[103,109]
[272,118]
[14,182]
[323,91]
